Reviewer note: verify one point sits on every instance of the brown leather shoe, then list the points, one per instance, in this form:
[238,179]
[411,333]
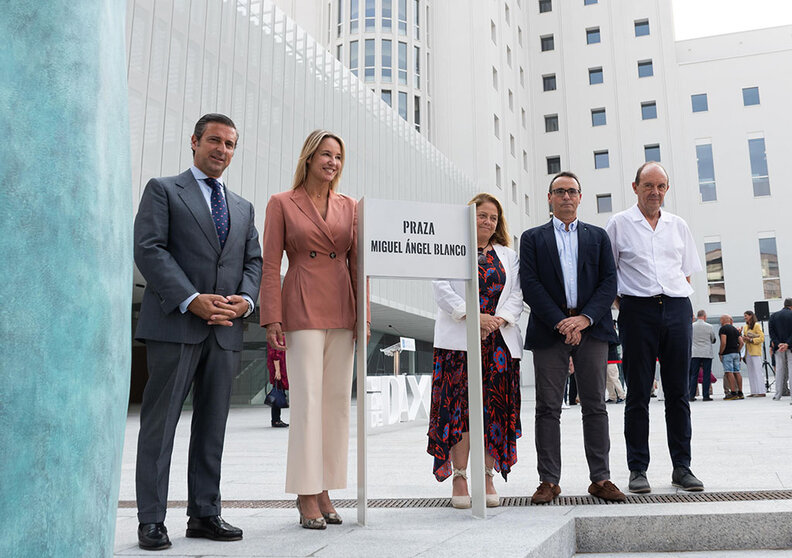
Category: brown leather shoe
[545,493]
[608,491]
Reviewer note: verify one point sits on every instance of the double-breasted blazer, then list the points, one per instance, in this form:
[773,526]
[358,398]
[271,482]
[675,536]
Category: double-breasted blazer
[542,282]
[177,251]
[450,329]
[320,286]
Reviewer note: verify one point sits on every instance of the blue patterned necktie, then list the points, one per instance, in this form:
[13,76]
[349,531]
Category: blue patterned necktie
[219,210]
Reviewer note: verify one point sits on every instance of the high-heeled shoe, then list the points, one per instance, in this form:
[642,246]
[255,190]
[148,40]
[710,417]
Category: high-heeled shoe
[493,500]
[460,502]
[316,523]
[332,518]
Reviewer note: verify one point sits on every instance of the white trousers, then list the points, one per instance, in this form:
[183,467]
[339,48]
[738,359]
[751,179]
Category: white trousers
[613,384]
[755,374]
[319,364]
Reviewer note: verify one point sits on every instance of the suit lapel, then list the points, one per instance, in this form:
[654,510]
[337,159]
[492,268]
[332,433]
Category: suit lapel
[236,216]
[583,234]
[552,249]
[303,202]
[192,197]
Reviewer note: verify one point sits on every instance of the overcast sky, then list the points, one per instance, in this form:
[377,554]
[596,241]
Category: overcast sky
[701,18]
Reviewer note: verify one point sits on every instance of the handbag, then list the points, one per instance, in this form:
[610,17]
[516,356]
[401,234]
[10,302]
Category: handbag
[276,397]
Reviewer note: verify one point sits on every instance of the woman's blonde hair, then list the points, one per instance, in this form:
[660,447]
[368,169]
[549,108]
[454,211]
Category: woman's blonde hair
[501,234]
[308,149]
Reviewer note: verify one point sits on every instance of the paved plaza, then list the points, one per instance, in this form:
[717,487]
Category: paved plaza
[737,446]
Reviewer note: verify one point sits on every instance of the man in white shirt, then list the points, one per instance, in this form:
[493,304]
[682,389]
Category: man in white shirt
[655,255]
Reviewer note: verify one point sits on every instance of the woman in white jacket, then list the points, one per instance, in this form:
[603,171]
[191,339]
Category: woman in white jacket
[501,304]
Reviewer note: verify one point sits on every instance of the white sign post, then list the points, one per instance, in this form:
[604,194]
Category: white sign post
[421,241]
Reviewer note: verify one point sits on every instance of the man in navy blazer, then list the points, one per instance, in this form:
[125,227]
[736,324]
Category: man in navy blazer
[568,278]
[197,246]
[780,339]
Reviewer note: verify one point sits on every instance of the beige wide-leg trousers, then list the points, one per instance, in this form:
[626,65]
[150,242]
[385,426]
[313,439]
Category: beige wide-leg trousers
[319,364]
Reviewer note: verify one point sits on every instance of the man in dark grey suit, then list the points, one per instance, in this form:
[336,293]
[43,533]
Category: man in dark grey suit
[568,278]
[197,247]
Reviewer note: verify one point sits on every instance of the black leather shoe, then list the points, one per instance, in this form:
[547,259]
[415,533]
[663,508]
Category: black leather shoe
[212,527]
[639,484]
[683,478]
[153,536]
[279,424]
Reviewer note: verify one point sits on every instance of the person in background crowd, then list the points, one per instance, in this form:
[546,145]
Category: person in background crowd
[276,364]
[780,329]
[312,317]
[731,344]
[753,337]
[655,255]
[701,356]
[501,348]
[614,387]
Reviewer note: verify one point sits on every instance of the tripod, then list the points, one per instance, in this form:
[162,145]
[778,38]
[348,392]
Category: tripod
[766,366]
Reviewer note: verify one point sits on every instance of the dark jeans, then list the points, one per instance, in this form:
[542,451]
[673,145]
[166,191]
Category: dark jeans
[695,364]
[656,328]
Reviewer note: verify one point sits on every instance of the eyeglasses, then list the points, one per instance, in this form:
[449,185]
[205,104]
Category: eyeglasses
[572,192]
[652,187]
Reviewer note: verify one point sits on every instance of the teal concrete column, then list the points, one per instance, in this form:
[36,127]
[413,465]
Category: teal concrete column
[65,275]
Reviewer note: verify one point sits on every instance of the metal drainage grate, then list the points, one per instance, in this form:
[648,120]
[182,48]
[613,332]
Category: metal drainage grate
[514,501]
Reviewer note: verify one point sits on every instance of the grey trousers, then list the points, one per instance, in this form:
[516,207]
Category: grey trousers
[783,366]
[551,368]
[173,368]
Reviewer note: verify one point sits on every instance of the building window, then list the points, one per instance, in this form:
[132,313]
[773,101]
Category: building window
[526,205]
[417,19]
[402,63]
[750,96]
[417,112]
[768,253]
[648,110]
[340,20]
[716,285]
[652,153]
[387,15]
[525,160]
[553,164]
[402,17]
[514,191]
[524,118]
[699,102]
[601,159]
[593,36]
[645,68]
[403,104]
[339,53]
[604,203]
[353,57]
[370,60]
[547,42]
[511,100]
[498,176]
[519,35]
[590,2]
[511,145]
[387,60]
[417,66]
[759,175]
[522,77]
[507,14]
[508,56]
[641,27]
[549,82]
[371,15]
[494,78]
[545,6]
[496,125]
[706,172]
[387,96]
[353,16]
[598,117]
[595,76]
[493,32]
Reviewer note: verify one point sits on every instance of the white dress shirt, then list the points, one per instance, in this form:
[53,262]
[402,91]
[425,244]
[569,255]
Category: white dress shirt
[650,261]
[567,244]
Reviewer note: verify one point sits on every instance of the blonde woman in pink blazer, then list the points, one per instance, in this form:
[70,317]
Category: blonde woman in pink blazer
[312,318]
